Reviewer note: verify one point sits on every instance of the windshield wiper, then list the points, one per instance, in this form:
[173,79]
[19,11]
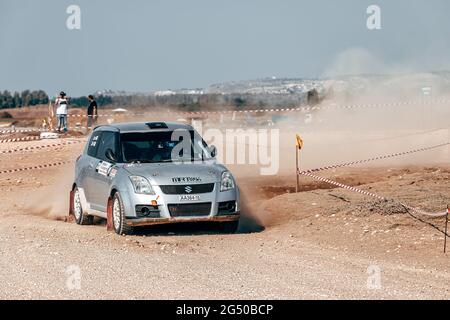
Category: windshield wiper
[164,160]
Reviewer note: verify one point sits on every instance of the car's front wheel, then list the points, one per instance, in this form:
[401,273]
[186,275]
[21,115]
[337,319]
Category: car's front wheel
[118,216]
[80,217]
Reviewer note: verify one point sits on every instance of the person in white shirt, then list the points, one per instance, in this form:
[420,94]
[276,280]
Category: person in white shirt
[61,105]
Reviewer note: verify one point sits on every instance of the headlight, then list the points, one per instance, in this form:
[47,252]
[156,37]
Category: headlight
[141,185]
[227,182]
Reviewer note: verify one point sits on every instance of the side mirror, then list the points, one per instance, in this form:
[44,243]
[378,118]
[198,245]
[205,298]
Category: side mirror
[109,154]
[213,151]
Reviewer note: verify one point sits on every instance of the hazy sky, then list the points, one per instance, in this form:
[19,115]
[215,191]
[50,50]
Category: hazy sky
[143,45]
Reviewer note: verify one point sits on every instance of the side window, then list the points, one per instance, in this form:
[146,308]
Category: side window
[107,141]
[93,144]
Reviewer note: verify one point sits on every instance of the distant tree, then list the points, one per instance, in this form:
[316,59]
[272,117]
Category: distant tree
[239,102]
[42,97]
[7,100]
[26,98]
[17,100]
[104,100]
[101,100]
[79,101]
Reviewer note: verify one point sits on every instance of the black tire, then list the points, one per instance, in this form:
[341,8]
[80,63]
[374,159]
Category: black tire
[81,217]
[120,227]
[229,226]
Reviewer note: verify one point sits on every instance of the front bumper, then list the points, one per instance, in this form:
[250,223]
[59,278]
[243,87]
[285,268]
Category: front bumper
[136,222]
[131,200]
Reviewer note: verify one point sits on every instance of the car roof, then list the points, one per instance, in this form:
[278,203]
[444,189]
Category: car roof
[129,127]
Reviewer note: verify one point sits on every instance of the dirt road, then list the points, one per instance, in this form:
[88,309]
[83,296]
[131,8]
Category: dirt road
[320,244]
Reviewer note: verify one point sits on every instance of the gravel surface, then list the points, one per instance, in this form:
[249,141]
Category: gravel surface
[318,244]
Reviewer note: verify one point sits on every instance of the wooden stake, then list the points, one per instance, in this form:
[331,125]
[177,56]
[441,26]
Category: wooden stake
[445,235]
[297,186]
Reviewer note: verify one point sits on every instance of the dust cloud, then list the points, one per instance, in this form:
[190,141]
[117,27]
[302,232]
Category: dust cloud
[361,116]
[52,201]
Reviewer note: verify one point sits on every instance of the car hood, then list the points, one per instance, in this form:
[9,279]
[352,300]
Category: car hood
[177,173]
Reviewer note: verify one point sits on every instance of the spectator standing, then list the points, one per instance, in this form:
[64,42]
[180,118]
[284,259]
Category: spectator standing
[61,105]
[92,112]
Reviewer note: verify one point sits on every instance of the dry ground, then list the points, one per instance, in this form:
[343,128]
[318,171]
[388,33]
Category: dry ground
[318,244]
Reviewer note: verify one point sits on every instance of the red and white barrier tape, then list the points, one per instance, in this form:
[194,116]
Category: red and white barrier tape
[312,108]
[341,185]
[21,131]
[347,164]
[20,139]
[272,110]
[30,148]
[305,108]
[36,130]
[42,166]
[370,194]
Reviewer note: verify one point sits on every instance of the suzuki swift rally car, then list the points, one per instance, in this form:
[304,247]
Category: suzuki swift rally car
[138,174]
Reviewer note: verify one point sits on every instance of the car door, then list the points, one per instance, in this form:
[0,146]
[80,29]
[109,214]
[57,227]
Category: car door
[90,162]
[102,180]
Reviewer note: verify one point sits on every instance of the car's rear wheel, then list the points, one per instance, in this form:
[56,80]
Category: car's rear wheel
[118,216]
[80,217]
[229,226]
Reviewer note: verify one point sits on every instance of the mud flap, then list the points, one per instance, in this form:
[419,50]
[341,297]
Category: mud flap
[71,202]
[109,221]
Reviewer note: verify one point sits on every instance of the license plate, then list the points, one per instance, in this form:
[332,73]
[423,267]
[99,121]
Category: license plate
[189,198]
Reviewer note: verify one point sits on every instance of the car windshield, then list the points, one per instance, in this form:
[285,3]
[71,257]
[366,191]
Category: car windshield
[167,146]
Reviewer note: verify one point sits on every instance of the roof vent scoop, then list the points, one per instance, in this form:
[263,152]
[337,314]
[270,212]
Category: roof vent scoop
[157,125]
